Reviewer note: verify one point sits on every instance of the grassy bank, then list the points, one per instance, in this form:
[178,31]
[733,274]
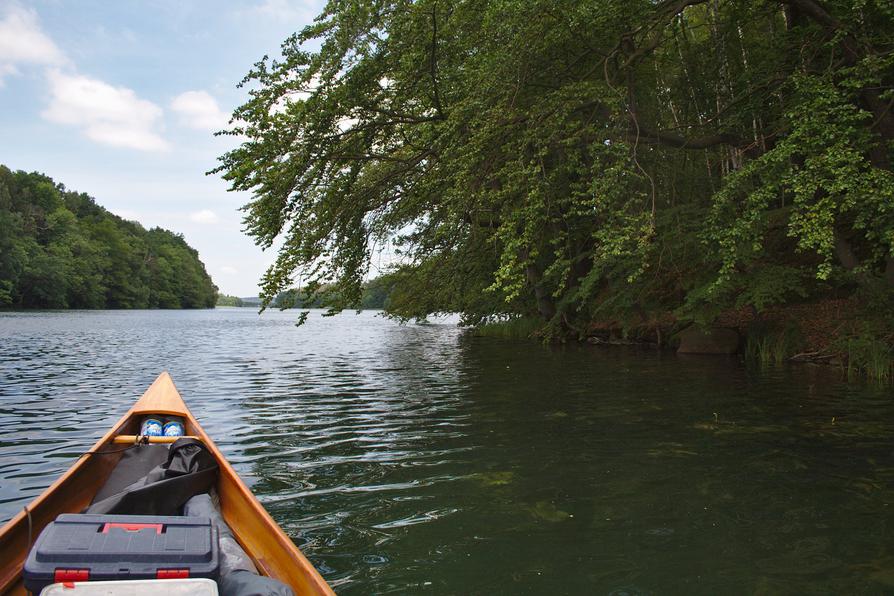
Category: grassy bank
[850,334]
[512,328]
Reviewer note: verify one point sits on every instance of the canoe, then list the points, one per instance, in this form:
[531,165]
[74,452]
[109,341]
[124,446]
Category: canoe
[272,551]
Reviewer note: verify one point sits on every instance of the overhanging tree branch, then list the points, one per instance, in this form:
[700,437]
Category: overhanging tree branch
[434,59]
[681,142]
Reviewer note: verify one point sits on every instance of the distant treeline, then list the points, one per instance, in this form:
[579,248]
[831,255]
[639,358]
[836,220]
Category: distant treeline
[375,296]
[59,249]
[227,300]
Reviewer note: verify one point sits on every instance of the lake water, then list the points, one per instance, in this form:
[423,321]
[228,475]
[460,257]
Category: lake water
[418,458]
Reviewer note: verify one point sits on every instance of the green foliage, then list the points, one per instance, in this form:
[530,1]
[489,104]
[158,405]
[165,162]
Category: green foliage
[227,300]
[375,295]
[869,356]
[570,161]
[376,292]
[58,249]
[511,328]
[823,166]
[293,299]
[868,344]
[768,344]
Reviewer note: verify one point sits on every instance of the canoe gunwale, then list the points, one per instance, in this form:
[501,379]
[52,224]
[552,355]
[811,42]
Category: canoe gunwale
[261,537]
[10,577]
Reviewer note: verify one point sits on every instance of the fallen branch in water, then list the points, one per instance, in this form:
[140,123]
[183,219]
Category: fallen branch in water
[811,356]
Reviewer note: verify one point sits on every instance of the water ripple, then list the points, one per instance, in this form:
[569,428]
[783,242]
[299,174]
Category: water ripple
[417,458]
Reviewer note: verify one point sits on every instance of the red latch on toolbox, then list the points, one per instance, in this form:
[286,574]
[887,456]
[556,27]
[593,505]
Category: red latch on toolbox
[71,575]
[132,527]
[172,574]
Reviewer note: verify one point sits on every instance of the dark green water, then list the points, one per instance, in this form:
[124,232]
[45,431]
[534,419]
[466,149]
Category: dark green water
[419,459]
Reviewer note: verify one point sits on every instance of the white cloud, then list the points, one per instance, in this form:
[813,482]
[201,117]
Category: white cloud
[205,216]
[7,69]
[229,270]
[106,114]
[23,42]
[198,109]
[109,115]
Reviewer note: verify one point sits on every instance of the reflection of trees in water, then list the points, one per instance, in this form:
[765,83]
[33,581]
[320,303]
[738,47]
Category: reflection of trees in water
[392,450]
[648,462]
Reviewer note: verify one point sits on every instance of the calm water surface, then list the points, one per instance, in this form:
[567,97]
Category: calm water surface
[420,459]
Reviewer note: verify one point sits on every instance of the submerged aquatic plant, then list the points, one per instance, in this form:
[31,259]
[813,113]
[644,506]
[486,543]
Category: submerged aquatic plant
[870,356]
[512,328]
[766,345]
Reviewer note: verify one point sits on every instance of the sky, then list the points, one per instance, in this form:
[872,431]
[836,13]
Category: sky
[119,99]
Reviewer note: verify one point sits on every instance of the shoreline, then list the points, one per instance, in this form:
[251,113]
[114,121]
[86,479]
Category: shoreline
[831,332]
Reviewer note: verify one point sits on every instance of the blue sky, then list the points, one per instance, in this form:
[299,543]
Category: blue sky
[119,98]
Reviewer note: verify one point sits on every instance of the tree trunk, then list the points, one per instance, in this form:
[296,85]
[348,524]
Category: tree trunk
[845,253]
[545,304]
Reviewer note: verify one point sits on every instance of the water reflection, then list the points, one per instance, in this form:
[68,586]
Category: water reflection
[419,458]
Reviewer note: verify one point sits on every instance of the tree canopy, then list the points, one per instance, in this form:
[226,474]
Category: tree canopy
[59,249]
[576,160]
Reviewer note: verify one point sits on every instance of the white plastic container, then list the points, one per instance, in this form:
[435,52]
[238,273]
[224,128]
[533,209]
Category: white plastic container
[138,587]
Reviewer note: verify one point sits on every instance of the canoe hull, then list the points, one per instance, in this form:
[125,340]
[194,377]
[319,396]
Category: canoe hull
[272,551]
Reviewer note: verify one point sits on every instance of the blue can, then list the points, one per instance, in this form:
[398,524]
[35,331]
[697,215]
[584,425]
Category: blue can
[152,427]
[173,429]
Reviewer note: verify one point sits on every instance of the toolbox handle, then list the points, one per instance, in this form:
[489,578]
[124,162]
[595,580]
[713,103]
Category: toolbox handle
[128,527]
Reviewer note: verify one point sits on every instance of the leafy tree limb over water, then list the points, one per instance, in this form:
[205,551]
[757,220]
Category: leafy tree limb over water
[59,249]
[577,161]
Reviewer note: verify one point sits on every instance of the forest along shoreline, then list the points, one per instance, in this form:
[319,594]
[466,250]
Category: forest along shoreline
[710,176]
[825,332]
[694,172]
[62,250]
[59,250]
